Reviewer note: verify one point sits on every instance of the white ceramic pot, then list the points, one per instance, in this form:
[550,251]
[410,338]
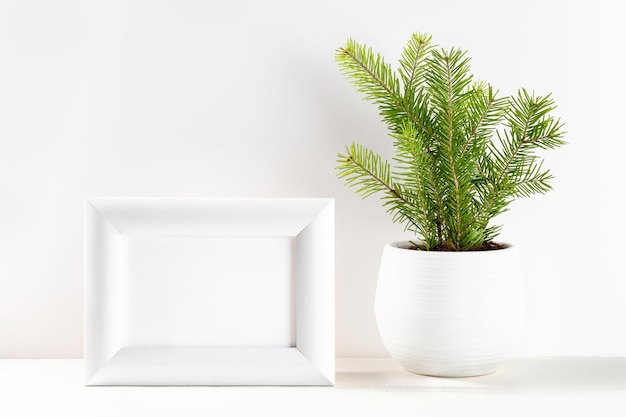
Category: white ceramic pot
[450,314]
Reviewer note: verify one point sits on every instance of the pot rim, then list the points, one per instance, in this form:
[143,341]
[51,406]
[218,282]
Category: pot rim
[407,245]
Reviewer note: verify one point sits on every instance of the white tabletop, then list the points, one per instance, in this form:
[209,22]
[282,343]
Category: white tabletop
[540,386]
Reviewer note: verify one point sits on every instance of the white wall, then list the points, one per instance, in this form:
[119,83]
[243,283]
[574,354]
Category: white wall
[243,98]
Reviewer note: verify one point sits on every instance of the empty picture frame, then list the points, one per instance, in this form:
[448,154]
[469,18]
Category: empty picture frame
[202,291]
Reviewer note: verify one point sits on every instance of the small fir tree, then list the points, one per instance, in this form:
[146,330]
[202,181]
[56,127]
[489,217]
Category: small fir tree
[462,153]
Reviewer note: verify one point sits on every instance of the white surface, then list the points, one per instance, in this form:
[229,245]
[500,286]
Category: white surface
[556,387]
[242,98]
[519,375]
[449,313]
[251,287]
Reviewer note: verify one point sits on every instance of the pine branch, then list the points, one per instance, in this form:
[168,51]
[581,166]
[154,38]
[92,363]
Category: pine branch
[530,127]
[485,112]
[534,181]
[446,84]
[370,75]
[413,61]
[374,78]
[363,168]
[414,171]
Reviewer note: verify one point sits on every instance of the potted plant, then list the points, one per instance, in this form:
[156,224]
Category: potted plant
[450,302]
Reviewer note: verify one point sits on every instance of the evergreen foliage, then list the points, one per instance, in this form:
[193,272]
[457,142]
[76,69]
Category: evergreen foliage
[462,153]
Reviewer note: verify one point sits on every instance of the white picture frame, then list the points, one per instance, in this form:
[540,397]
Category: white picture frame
[204,291]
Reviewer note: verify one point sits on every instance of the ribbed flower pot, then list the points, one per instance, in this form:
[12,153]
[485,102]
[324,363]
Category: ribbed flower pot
[450,314]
